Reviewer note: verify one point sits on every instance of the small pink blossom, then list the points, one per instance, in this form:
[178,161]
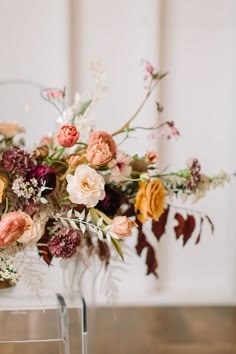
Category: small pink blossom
[152,136]
[12,226]
[148,67]
[120,167]
[151,156]
[122,226]
[53,94]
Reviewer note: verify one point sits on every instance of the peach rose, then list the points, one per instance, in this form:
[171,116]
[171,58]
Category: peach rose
[3,186]
[122,226]
[150,200]
[101,148]
[151,157]
[35,231]
[12,227]
[68,135]
[99,154]
[86,186]
[10,129]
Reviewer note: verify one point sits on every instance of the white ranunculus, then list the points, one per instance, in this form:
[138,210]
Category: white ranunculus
[86,186]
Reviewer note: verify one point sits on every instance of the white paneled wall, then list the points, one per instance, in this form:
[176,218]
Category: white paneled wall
[53,42]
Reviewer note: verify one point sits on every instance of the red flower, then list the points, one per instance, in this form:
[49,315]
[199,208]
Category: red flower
[68,135]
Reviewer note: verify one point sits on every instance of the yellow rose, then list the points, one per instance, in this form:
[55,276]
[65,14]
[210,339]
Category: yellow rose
[150,200]
[3,186]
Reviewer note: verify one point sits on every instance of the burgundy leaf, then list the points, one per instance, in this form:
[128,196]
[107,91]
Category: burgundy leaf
[179,229]
[103,251]
[43,249]
[200,231]
[151,261]
[189,227]
[158,227]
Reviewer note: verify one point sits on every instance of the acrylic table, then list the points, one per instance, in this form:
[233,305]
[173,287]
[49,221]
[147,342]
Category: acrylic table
[55,324]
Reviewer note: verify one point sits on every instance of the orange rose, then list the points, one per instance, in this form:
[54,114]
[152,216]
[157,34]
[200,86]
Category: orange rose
[68,135]
[150,200]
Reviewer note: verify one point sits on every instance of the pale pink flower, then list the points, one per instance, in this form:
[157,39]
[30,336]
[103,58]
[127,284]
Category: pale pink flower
[12,227]
[122,226]
[10,129]
[151,156]
[86,186]
[120,167]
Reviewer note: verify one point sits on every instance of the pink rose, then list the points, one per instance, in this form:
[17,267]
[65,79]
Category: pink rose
[68,135]
[12,227]
[122,226]
[101,148]
[151,157]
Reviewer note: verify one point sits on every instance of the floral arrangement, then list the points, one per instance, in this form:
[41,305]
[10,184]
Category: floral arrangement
[77,193]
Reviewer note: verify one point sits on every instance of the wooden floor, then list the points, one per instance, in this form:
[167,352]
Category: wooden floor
[153,330]
[165,330]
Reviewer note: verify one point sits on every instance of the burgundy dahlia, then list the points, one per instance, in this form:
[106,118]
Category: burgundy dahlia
[45,176]
[65,243]
[17,161]
[111,203]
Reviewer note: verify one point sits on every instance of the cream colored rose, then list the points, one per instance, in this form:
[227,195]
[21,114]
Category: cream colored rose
[86,186]
[10,129]
[35,232]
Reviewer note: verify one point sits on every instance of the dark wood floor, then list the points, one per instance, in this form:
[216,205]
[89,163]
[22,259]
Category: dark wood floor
[145,330]
[165,330]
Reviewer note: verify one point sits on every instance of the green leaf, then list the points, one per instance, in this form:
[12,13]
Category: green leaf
[163,75]
[84,107]
[118,248]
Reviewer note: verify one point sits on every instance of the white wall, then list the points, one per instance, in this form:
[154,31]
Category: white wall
[34,42]
[54,42]
[196,48]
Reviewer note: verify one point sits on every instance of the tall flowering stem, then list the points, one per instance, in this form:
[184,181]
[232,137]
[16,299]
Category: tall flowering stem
[154,82]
